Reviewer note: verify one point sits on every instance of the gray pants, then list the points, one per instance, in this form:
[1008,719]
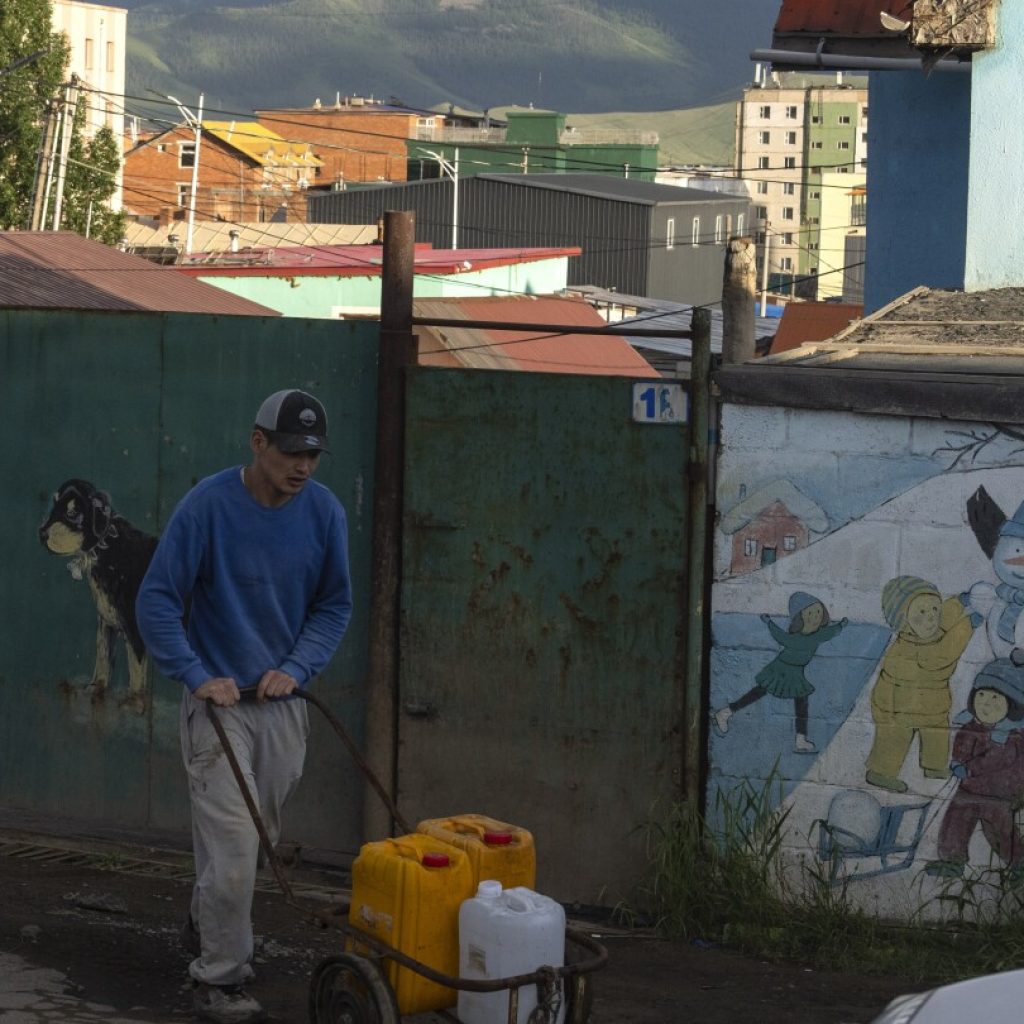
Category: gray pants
[269,742]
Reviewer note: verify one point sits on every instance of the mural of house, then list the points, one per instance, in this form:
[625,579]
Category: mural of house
[879,670]
[344,281]
[773,522]
[950,180]
[245,173]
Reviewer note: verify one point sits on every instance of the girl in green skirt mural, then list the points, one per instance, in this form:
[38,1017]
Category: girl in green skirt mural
[784,677]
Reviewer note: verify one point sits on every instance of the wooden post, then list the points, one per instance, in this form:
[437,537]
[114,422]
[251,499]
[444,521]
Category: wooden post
[696,569]
[397,351]
[44,168]
[739,296]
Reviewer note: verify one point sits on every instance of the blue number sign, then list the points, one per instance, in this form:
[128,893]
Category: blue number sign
[659,402]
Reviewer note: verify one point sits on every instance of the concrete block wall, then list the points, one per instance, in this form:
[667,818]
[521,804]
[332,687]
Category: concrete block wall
[875,720]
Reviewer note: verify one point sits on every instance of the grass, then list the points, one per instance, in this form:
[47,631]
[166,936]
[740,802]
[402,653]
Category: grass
[729,884]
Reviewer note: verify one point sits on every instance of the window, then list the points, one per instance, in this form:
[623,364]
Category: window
[811,246]
[843,169]
[762,163]
[183,190]
[761,212]
[160,147]
[762,188]
[764,138]
[792,113]
[88,55]
[787,237]
[814,194]
[814,269]
[790,138]
[719,227]
[843,144]
[695,236]
[844,118]
[864,113]
[749,547]
[817,144]
[110,56]
[859,211]
[816,119]
[186,154]
[789,162]
[789,188]
[789,542]
[425,122]
[764,112]
[670,233]
[863,136]
[812,220]
[786,263]
[787,213]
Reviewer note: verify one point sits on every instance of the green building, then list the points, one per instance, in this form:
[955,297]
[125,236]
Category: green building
[534,142]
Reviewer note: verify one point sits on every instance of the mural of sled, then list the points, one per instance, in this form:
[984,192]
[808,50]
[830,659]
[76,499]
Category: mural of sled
[860,829]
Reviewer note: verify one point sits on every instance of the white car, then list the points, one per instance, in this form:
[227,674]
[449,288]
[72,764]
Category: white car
[991,999]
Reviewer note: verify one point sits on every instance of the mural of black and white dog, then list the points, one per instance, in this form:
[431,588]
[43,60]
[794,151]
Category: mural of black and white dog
[113,555]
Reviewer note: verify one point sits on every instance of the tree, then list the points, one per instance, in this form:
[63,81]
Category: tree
[25,90]
[91,181]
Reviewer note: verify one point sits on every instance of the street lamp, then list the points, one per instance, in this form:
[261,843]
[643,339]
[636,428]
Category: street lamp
[195,122]
[451,168]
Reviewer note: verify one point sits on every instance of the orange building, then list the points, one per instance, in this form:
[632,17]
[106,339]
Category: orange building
[245,173]
[358,139]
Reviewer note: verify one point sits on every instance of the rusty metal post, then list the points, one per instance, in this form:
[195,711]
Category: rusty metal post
[396,352]
[739,296]
[693,696]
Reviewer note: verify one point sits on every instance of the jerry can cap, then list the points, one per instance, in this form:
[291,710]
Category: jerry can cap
[436,860]
[498,838]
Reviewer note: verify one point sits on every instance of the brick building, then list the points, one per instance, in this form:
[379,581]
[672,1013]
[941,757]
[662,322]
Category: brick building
[358,139]
[246,173]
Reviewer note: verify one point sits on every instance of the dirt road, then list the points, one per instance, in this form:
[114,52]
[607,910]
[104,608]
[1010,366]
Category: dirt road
[89,937]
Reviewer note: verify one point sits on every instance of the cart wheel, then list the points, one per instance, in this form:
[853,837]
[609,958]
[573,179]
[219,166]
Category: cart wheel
[579,999]
[349,989]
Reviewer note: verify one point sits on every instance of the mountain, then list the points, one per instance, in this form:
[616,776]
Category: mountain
[571,55]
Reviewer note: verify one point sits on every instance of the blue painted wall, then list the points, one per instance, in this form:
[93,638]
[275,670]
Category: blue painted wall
[919,141]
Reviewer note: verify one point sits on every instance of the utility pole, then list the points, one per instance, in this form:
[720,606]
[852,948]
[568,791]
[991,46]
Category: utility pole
[451,168]
[195,121]
[67,126]
[739,297]
[764,270]
[44,169]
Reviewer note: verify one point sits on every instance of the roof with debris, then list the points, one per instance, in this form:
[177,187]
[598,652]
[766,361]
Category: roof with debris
[63,270]
[537,350]
[215,235]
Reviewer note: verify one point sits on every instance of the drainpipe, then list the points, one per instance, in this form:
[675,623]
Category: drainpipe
[696,605]
[846,62]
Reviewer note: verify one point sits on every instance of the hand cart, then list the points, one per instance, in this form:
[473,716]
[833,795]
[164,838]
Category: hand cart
[352,988]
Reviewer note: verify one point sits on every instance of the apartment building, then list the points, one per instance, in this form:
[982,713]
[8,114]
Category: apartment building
[790,130]
[97,35]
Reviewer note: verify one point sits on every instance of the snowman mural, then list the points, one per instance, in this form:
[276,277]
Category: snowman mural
[1000,605]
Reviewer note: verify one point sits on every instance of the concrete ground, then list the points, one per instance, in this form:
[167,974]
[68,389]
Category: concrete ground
[89,933]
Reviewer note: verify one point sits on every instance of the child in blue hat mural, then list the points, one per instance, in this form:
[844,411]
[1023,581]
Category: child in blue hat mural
[784,677]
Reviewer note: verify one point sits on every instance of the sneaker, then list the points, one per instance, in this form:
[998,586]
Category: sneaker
[894,785]
[225,1004]
[189,937]
[803,745]
[722,717]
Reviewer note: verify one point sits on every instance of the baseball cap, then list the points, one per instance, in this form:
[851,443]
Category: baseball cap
[295,420]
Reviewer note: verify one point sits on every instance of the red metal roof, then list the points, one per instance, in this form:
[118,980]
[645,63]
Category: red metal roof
[839,17]
[63,270]
[812,321]
[539,351]
[356,260]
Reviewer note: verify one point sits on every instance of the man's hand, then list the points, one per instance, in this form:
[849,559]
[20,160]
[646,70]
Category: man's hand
[275,684]
[222,691]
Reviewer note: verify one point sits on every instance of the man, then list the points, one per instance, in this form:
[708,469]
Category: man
[255,558]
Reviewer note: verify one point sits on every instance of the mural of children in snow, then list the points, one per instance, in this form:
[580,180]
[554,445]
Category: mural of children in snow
[784,677]
[912,693]
[988,759]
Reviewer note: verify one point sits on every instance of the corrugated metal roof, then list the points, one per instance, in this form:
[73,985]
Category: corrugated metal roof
[607,186]
[839,17]
[210,235]
[63,270]
[525,350]
[813,321]
[262,145]
[355,260]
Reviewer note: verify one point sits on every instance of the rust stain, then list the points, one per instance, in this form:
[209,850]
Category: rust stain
[494,577]
[578,614]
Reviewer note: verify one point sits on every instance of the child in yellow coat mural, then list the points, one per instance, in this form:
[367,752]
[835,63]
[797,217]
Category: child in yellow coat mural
[912,693]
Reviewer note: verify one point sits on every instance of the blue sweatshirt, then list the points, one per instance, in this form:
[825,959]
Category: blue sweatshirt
[269,587]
